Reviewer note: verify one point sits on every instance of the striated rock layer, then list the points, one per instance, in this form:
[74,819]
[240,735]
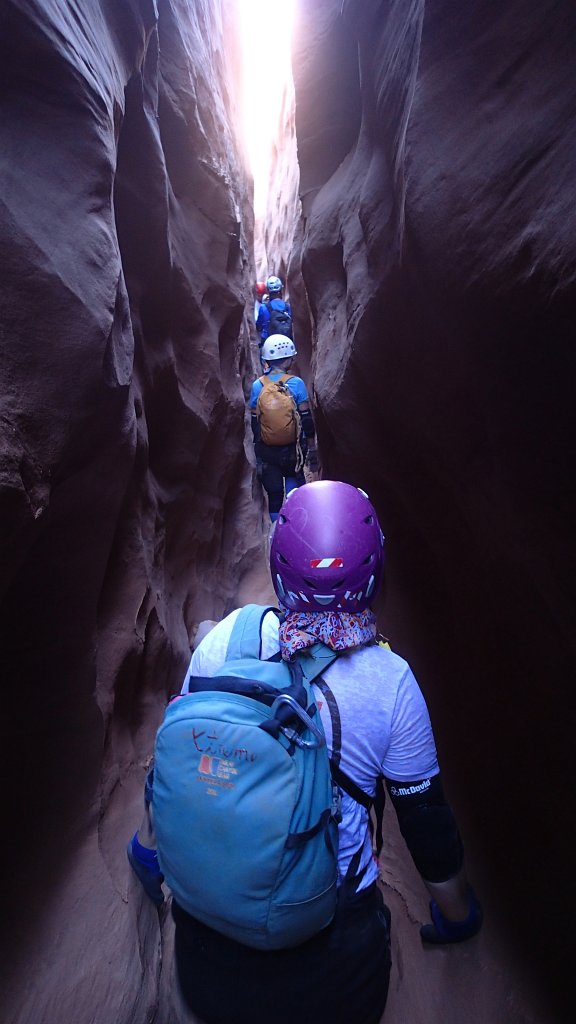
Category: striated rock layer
[125,492]
[437,251]
[436,149]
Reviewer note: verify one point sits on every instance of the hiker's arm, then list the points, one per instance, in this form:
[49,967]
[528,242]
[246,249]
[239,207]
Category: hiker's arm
[146,831]
[306,419]
[256,388]
[141,850]
[255,424]
[431,834]
[262,322]
[309,431]
[451,895]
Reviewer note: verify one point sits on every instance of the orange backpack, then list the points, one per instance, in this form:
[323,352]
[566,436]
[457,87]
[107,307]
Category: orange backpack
[277,412]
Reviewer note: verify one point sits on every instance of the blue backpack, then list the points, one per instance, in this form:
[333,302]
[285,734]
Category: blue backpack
[280,318]
[245,810]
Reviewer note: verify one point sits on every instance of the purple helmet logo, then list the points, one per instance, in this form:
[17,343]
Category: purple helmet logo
[327,549]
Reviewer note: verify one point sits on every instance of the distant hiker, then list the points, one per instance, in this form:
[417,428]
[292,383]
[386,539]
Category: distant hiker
[365,717]
[261,296]
[282,425]
[275,316]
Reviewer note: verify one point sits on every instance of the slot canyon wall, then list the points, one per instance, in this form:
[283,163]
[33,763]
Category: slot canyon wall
[432,272]
[278,231]
[436,144]
[127,501]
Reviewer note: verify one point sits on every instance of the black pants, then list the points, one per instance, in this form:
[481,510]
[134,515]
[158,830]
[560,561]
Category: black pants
[339,977]
[278,465]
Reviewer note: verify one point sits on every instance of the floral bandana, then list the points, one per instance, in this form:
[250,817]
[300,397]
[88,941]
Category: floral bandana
[338,630]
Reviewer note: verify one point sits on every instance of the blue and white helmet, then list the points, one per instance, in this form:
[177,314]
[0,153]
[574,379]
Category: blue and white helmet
[274,284]
[277,346]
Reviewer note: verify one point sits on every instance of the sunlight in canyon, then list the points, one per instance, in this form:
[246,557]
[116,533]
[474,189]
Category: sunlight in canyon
[266,43]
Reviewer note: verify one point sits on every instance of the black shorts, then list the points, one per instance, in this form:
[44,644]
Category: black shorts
[282,456]
[338,977]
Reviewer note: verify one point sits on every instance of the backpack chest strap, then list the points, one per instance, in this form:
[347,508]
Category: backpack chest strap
[267,382]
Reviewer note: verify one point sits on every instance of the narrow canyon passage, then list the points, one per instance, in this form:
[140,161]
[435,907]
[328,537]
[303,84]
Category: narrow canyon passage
[420,208]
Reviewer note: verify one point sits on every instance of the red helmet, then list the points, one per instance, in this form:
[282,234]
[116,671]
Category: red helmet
[260,288]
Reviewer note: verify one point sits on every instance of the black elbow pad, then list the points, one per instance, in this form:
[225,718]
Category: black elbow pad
[428,827]
[307,423]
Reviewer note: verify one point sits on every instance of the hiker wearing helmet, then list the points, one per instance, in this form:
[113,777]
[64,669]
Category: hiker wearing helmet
[260,297]
[282,424]
[274,316]
[326,562]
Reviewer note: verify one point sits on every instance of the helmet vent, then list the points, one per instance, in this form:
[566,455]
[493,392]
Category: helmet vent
[282,559]
[368,559]
[314,583]
[369,520]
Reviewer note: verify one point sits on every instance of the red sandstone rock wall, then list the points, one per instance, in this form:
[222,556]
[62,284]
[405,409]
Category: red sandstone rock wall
[279,230]
[436,146]
[125,493]
[437,242]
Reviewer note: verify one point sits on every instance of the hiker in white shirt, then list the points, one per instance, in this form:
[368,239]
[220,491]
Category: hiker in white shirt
[326,561]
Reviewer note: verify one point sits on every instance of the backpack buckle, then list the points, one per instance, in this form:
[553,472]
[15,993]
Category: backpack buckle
[291,734]
[336,808]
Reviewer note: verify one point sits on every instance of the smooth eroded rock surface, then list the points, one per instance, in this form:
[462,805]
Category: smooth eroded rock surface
[439,260]
[432,273]
[126,496]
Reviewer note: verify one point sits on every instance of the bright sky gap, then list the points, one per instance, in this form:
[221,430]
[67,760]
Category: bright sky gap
[266,42]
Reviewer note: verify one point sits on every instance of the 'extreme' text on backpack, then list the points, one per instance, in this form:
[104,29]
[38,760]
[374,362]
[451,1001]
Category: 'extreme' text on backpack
[277,412]
[280,318]
[245,811]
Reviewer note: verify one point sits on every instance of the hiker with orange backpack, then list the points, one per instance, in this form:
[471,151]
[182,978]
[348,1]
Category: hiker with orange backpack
[282,424]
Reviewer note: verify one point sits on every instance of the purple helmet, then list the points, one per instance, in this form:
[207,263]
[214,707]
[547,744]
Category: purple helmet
[327,549]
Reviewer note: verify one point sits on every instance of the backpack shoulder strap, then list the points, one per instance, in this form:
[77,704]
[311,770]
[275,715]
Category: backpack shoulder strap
[246,636]
[315,660]
[343,780]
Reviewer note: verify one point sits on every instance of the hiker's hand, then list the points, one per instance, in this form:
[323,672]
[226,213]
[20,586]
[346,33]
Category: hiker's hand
[144,863]
[149,788]
[312,459]
[442,931]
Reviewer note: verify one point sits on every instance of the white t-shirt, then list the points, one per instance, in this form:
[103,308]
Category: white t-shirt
[386,728]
